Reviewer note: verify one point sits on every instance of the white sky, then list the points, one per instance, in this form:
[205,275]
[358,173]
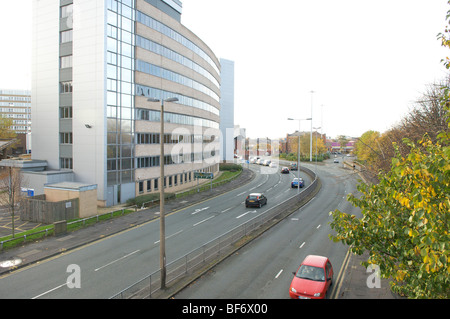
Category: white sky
[366,60]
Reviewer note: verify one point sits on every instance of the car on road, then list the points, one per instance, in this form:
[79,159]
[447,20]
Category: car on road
[255,199]
[313,278]
[294,167]
[285,170]
[297,182]
[336,160]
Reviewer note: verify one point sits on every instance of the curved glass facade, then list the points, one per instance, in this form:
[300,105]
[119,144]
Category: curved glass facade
[196,84]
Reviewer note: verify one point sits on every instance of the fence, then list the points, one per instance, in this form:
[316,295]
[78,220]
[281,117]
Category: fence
[216,249]
[82,222]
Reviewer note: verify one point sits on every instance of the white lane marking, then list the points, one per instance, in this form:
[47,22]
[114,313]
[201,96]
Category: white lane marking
[203,221]
[279,273]
[114,261]
[49,291]
[302,245]
[226,210]
[198,210]
[179,232]
[243,215]
[318,227]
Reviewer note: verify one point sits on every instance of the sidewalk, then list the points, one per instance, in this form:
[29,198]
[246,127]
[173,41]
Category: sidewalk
[356,281]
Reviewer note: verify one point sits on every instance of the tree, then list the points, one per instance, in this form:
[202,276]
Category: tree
[405,222]
[405,217]
[11,181]
[367,147]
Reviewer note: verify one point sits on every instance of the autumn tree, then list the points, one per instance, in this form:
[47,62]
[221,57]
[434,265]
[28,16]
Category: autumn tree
[405,217]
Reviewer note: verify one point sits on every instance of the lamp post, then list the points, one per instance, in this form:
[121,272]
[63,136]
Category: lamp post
[298,156]
[310,142]
[317,128]
[162,221]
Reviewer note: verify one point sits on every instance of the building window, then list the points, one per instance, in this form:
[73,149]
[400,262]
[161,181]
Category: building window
[149,185]
[66,11]
[141,187]
[65,138]
[65,61]
[65,112]
[65,87]
[66,36]
[66,163]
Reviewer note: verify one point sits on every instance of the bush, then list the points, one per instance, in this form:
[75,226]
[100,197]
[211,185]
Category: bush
[140,200]
[230,167]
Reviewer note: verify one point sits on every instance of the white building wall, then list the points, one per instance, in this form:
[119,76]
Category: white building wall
[89,99]
[45,86]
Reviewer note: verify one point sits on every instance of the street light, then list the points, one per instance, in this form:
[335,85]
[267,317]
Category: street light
[298,157]
[317,128]
[162,221]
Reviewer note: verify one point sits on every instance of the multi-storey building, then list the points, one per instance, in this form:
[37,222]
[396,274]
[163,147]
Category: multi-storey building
[95,65]
[16,105]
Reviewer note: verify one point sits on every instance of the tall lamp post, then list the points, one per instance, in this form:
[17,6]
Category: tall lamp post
[298,156]
[317,128]
[162,221]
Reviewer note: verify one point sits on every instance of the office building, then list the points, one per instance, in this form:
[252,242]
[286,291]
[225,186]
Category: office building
[227,110]
[95,64]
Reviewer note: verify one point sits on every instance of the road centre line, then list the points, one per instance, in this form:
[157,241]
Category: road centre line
[203,220]
[198,210]
[179,232]
[49,291]
[242,215]
[226,210]
[302,245]
[114,261]
[279,273]
[240,194]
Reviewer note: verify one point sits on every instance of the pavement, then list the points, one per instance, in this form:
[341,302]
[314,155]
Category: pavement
[352,281]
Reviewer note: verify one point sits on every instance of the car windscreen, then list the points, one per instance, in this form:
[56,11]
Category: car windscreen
[311,273]
[253,197]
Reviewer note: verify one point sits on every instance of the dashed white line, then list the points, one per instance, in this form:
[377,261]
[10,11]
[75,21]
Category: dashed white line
[170,236]
[318,226]
[114,261]
[279,273]
[203,221]
[301,246]
[242,215]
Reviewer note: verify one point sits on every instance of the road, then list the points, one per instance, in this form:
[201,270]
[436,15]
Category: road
[112,264]
[263,269]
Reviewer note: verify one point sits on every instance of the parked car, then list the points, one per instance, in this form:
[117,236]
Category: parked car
[273,164]
[285,170]
[267,162]
[255,199]
[313,278]
[297,182]
[336,160]
[294,167]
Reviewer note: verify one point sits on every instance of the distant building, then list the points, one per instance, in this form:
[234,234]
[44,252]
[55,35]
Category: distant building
[227,110]
[16,105]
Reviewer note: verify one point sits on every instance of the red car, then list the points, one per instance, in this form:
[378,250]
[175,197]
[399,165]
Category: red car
[312,279]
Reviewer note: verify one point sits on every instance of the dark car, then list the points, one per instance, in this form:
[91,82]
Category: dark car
[255,199]
[285,170]
[294,167]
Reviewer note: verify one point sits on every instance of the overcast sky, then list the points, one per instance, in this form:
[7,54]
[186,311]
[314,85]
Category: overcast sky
[367,61]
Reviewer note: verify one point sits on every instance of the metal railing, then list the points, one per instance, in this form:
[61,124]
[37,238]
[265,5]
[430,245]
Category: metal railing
[213,251]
